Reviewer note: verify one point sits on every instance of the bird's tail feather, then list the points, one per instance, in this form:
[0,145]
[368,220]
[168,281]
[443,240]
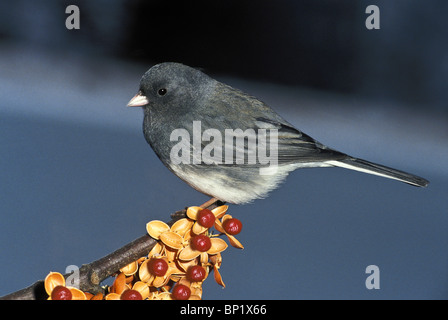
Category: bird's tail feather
[379,170]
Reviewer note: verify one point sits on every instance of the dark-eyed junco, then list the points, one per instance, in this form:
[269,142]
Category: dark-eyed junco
[226,143]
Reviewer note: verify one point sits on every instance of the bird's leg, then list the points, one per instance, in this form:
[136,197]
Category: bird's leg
[209,203]
[212,203]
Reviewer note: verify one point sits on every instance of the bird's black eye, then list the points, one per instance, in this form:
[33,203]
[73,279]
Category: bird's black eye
[161,92]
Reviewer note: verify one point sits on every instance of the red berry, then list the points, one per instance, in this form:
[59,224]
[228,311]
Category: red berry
[131,295]
[61,293]
[206,218]
[232,226]
[201,243]
[195,273]
[158,267]
[181,292]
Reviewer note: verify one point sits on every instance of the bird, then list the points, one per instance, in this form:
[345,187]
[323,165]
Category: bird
[215,137]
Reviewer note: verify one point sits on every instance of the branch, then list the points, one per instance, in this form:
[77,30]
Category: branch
[92,274]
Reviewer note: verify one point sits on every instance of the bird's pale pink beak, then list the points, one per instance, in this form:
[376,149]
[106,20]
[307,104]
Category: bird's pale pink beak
[139,100]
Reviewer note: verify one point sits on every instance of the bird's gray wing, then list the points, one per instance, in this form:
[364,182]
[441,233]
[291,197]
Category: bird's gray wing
[245,112]
[265,139]
[295,146]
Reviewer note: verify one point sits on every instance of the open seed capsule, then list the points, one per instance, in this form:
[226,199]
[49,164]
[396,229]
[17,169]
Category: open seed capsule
[77,294]
[182,226]
[218,245]
[171,239]
[52,280]
[130,269]
[156,227]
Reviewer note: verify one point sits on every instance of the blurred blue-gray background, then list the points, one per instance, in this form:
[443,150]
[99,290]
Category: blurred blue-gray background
[77,179]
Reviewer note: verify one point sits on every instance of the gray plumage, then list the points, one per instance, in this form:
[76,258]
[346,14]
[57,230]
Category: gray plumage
[173,96]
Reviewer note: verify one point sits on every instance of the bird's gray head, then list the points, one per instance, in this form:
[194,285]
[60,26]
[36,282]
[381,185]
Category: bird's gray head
[170,85]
